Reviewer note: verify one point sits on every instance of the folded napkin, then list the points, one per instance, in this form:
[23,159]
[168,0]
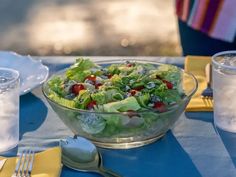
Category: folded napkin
[196,65]
[46,164]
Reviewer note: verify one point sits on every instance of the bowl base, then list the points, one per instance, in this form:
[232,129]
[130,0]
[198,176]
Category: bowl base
[129,145]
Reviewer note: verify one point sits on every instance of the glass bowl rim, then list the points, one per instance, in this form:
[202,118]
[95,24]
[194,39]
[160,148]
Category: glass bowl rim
[111,61]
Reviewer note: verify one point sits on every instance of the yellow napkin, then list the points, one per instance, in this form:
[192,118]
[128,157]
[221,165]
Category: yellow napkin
[196,65]
[46,164]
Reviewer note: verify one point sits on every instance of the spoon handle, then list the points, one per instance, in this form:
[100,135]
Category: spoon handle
[107,173]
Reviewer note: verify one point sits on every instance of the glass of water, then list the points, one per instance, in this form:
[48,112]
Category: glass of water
[9,109]
[224,90]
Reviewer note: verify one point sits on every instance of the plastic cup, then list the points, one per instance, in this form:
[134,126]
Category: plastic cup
[224,90]
[9,109]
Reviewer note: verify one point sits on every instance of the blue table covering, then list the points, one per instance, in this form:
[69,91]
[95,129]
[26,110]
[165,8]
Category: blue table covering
[193,148]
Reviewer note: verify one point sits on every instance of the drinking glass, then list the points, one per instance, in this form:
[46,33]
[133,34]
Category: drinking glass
[9,109]
[224,90]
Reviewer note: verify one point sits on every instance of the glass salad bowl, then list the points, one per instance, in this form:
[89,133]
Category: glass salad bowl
[126,129]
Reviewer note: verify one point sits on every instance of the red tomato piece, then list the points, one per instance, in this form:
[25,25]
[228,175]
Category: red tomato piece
[168,84]
[76,88]
[160,106]
[91,78]
[109,76]
[91,105]
[133,92]
[98,85]
[129,65]
[139,88]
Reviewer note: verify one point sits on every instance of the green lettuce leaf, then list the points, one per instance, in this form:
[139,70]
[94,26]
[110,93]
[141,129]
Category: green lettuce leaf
[80,70]
[168,96]
[113,69]
[99,97]
[116,81]
[82,100]
[143,100]
[129,103]
[170,73]
[62,101]
[56,85]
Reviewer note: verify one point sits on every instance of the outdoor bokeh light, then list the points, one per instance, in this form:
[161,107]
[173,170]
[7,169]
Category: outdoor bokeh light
[89,27]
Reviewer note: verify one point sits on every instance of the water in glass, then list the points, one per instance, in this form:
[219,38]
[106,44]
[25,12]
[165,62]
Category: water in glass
[224,86]
[9,109]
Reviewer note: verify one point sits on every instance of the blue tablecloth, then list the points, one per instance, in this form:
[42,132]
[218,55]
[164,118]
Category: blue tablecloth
[193,148]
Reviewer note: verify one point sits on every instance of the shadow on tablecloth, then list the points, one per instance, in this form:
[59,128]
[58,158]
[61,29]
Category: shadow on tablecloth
[33,112]
[229,140]
[165,157]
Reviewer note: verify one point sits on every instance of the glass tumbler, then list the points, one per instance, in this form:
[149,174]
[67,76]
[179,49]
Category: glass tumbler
[9,109]
[224,90]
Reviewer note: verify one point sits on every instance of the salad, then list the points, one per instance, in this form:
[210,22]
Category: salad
[129,87]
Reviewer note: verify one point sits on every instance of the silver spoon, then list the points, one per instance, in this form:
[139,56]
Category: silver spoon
[82,155]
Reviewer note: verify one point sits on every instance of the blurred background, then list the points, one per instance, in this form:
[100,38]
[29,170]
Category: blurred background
[89,27]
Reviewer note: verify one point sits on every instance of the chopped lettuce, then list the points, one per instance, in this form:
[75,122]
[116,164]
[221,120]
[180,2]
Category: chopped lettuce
[126,87]
[113,69]
[129,103]
[116,80]
[78,76]
[107,96]
[117,96]
[80,70]
[143,100]
[65,102]
[99,97]
[82,100]
[82,64]
[168,96]
[56,85]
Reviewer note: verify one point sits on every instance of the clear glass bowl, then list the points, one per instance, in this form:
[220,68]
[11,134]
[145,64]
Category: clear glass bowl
[144,128]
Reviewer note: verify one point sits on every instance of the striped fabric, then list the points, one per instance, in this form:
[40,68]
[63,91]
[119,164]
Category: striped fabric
[216,18]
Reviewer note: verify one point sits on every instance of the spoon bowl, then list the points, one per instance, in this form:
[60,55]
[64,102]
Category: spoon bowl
[82,155]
